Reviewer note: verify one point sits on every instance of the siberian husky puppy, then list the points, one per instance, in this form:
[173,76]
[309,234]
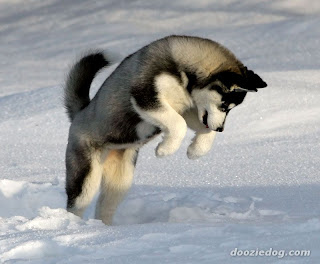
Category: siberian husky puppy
[169,85]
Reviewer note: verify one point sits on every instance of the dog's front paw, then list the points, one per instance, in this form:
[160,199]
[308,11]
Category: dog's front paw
[195,151]
[163,150]
[201,144]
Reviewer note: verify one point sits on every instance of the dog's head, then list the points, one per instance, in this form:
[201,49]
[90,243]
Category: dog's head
[221,92]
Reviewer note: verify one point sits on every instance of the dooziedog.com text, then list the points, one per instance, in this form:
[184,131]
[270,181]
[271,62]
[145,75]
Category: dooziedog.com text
[269,253]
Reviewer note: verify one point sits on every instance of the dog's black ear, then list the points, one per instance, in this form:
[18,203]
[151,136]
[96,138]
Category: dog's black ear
[248,82]
[254,81]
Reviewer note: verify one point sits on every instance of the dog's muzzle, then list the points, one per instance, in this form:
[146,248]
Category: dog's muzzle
[205,122]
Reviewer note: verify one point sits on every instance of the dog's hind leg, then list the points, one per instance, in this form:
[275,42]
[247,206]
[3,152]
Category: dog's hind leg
[83,177]
[117,176]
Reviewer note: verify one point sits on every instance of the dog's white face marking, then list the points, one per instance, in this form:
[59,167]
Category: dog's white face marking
[210,101]
[216,117]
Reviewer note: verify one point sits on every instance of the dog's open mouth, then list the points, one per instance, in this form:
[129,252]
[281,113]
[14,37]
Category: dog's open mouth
[205,119]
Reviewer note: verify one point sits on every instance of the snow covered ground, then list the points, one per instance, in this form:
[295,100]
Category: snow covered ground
[259,188]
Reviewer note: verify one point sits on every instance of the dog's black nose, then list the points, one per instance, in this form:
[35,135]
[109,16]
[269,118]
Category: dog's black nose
[220,129]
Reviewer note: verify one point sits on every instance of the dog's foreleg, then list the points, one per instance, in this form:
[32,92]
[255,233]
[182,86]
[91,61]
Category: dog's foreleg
[201,144]
[174,128]
[204,137]
[117,177]
[171,124]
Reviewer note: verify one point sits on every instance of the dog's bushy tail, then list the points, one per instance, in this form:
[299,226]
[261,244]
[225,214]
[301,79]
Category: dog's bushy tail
[80,77]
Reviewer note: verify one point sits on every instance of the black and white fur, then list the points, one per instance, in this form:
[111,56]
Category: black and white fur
[173,83]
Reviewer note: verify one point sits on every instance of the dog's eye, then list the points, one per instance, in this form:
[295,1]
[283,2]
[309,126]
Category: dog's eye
[215,87]
[224,107]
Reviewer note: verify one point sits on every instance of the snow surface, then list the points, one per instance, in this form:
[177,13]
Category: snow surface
[259,187]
